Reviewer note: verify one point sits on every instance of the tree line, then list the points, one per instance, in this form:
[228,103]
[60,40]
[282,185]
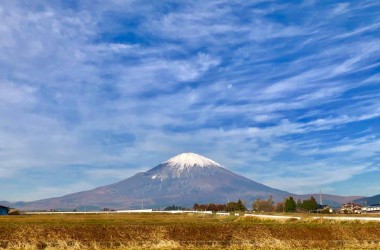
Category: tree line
[288,205]
[229,207]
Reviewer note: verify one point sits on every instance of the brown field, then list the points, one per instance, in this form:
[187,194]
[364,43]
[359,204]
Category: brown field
[170,231]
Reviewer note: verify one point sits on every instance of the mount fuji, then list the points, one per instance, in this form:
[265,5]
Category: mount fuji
[183,180]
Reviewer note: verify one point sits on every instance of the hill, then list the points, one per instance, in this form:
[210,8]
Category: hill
[183,180]
[368,200]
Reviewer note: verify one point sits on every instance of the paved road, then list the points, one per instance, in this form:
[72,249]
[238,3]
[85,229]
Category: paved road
[348,218]
[273,216]
[358,218]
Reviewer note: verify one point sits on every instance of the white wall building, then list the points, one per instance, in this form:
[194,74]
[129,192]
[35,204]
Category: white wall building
[375,208]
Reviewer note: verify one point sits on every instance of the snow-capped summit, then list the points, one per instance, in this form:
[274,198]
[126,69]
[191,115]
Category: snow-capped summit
[185,165]
[186,160]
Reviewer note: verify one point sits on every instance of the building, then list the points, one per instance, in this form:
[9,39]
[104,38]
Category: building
[4,210]
[375,208]
[350,208]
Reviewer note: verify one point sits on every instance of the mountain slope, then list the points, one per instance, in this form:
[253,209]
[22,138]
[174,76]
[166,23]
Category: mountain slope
[369,200]
[183,180]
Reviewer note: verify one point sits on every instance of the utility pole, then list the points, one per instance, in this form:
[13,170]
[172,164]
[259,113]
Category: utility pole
[320,197]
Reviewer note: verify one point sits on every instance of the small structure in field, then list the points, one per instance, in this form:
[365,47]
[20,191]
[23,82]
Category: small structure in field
[374,208]
[323,209]
[351,208]
[4,210]
[223,214]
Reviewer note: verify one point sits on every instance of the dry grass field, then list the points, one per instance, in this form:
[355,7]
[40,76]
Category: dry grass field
[190,231]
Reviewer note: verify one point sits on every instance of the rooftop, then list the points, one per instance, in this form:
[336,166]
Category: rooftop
[374,205]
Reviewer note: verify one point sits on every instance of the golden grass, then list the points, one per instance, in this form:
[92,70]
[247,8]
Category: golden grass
[171,231]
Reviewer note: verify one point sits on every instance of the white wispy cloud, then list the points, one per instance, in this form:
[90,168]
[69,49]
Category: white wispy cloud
[130,84]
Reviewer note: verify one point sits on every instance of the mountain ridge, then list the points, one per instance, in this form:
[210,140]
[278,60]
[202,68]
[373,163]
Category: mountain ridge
[368,200]
[183,180]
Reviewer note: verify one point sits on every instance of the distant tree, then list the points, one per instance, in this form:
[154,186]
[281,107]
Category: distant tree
[203,207]
[221,207]
[235,206]
[258,205]
[241,206]
[196,207]
[299,206]
[210,207]
[290,205]
[310,204]
[173,207]
[263,205]
[279,207]
[231,206]
[299,203]
[307,205]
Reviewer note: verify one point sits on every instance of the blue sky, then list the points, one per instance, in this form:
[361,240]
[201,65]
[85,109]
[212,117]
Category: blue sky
[286,93]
